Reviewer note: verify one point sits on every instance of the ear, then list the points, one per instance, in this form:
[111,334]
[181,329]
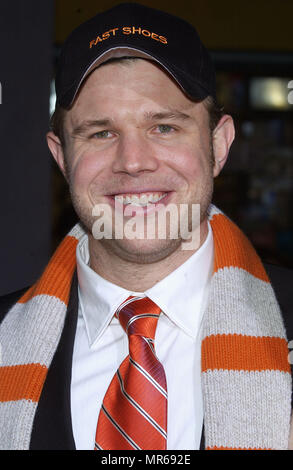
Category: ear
[56,149]
[223,136]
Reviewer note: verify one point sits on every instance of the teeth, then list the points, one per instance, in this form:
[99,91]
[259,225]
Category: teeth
[134,199]
[143,199]
[119,198]
[140,200]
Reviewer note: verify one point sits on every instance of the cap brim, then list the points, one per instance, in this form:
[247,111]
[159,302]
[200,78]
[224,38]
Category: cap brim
[188,85]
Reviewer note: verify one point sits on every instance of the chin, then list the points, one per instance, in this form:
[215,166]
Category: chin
[142,251]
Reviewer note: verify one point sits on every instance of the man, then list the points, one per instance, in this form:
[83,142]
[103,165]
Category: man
[144,342]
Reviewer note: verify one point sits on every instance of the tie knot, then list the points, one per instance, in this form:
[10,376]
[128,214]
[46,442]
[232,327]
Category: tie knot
[139,316]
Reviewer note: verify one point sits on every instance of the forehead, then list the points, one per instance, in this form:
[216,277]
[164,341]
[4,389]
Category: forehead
[130,86]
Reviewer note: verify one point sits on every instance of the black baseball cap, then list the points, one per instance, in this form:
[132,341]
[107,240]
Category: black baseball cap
[131,29]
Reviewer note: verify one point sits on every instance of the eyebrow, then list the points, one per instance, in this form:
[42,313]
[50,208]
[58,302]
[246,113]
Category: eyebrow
[172,114]
[89,124]
[86,125]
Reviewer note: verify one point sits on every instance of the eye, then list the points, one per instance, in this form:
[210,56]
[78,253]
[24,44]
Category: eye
[165,128]
[101,135]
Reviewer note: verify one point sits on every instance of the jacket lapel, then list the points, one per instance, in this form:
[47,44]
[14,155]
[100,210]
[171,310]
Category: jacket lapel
[52,428]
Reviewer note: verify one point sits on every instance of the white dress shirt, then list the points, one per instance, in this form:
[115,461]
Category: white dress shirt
[101,345]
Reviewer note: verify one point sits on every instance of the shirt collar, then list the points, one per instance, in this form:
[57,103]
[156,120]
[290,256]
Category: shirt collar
[182,294]
[99,298]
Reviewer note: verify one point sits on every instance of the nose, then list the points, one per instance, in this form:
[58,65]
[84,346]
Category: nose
[134,155]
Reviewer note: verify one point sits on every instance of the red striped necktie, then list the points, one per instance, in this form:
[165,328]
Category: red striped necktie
[133,415]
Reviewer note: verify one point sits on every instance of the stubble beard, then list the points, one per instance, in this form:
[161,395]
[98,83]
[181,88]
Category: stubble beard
[139,253]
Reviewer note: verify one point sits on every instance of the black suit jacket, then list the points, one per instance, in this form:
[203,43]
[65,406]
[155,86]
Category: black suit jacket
[52,427]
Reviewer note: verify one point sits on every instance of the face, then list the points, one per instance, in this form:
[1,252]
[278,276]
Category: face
[133,137]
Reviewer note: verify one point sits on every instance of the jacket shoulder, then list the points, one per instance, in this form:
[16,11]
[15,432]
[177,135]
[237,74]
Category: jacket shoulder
[8,300]
[282,282]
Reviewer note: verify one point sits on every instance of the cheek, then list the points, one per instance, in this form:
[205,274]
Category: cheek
[87,167]
[188,162]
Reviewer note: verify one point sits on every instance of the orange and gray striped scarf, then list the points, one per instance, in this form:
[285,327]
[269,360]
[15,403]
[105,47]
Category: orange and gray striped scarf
[246,378]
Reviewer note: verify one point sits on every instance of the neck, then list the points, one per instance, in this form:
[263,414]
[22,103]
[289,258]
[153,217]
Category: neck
[138,273]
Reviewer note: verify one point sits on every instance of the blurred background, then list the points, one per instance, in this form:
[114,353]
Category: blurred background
[251,44]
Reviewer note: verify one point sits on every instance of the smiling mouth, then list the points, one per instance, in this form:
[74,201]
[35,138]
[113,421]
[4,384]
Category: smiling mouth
[140,199]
